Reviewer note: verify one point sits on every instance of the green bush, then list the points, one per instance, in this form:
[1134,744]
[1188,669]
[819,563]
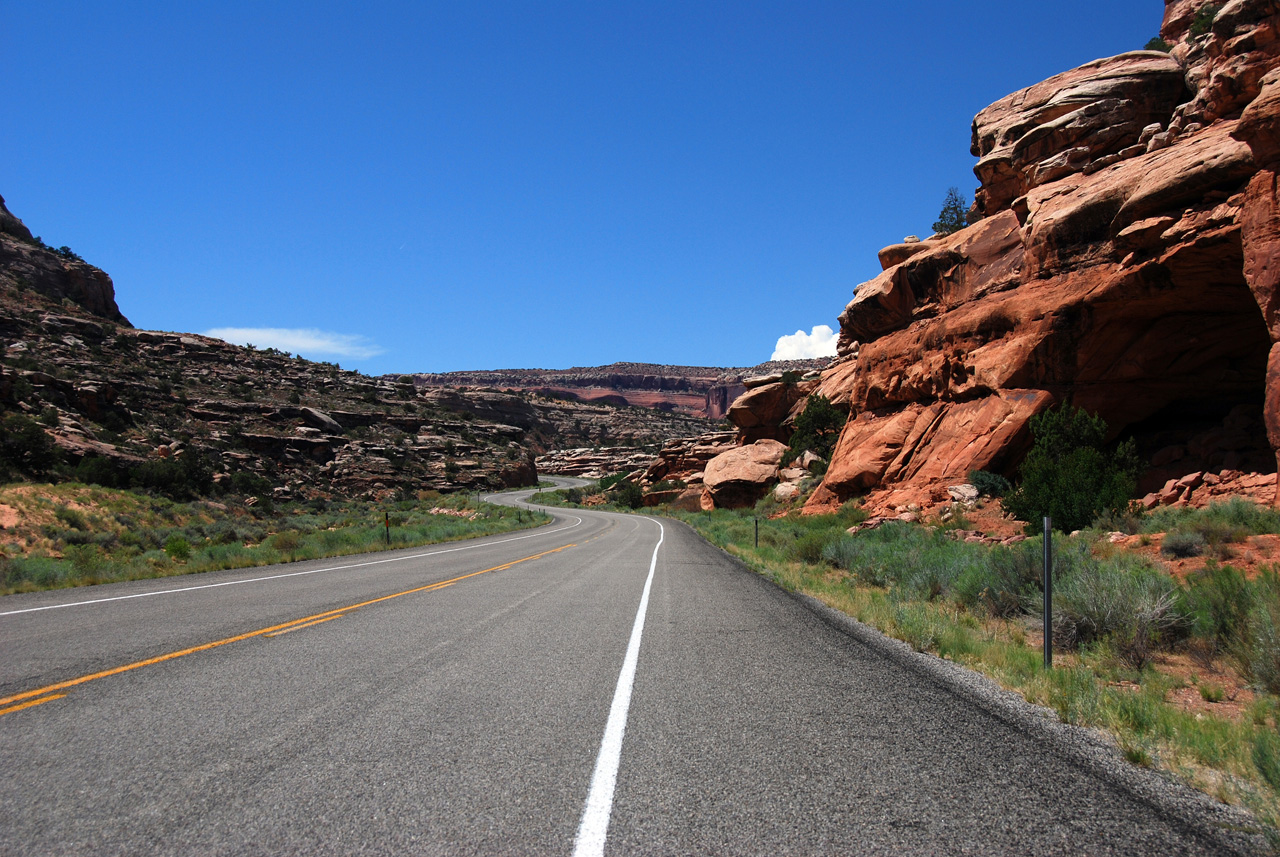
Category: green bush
[629,494]
[1182,544]
[86,559]
[1218,601]
[818,427]
[1007,583]
[1157,44]
[96,470]
[1260,649]
[989,484]
[185,477]
[1069,473]
[178,548]
[25,447]
[1121,600]
[249,484]
[1266,756]
[810,546]
[1203,21]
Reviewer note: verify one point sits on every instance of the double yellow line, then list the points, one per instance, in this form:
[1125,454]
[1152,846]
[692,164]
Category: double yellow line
[27,699]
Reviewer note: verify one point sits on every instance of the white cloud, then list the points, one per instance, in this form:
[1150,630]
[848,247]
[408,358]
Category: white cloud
[821,342]
[306,341]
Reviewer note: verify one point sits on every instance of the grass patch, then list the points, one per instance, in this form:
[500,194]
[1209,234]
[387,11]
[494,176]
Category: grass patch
[75,535]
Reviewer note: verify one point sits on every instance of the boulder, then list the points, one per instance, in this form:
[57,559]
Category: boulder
[319,419]
[741,476]
[761,412]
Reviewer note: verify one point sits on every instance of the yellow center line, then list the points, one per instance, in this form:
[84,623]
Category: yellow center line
[304,625]
[318,617]
[33,702]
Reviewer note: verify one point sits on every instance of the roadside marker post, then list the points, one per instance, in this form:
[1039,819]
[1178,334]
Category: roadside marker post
[1048,593]
[387,520]
[757,532]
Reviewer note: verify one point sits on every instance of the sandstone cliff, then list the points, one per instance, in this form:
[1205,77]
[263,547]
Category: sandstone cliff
[27,265]
[1124,262]
[702,391]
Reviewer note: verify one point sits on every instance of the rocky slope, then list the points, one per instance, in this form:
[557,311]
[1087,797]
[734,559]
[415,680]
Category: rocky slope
[1124,262]
[102,389]
[696,390]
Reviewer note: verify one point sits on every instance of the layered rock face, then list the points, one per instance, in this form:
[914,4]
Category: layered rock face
[702,391]
[1125,263]
[26,264]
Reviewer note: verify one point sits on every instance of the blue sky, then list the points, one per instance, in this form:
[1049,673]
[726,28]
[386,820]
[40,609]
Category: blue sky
[421,186]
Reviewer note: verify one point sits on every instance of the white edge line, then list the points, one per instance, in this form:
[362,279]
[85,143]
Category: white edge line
[288,574]
[594,826]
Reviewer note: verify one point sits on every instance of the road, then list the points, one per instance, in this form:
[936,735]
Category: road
[607,682]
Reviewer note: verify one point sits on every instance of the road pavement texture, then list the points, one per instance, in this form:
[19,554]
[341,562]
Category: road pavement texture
[464,699]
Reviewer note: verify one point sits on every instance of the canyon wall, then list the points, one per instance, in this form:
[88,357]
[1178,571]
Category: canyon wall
[1123,259]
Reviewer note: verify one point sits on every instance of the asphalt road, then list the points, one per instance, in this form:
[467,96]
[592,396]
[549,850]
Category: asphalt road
[466,699]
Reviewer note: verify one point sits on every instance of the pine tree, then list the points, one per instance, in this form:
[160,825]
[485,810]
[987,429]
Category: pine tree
[954,213]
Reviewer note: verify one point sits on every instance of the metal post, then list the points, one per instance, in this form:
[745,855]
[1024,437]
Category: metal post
[757,532]
[1048,593]
[387,520]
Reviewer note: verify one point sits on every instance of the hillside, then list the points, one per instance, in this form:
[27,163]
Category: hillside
[188,414]
[702,391]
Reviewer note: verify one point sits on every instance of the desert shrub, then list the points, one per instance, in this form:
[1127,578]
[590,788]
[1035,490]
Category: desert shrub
[1120,599]
[818,427]
[1182,544]
[185,477]
[25,447]
[86,559]
[923,562]
[1007,583]
[1157,44]
[249,484]
[1266,756]
[1235,520]
[607,482]
[1069,474]
[629,494]
[71,517]
[1203,21]
[877,557]
[810,546]
[178,548]
[1260,648]
[989,484]
[96,470]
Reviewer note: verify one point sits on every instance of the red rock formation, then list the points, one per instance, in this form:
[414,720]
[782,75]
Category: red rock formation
[1126,264]
[27,264]
[696,390]
[742,475]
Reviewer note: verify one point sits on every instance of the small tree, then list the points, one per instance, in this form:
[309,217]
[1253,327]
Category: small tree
[1069,474]
[817,427]
[954,214]
[629,494]
[25,447]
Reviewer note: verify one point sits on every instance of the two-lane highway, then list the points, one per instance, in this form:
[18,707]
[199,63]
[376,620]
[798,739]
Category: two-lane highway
[605,682]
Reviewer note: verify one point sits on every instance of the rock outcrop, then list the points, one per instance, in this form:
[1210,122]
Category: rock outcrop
[28,266]
[701,391]
[742,475]
[1125,263]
